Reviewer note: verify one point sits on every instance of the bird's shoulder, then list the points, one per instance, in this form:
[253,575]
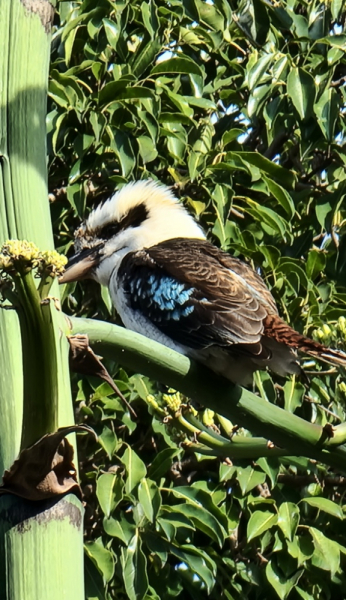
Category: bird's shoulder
[198,263]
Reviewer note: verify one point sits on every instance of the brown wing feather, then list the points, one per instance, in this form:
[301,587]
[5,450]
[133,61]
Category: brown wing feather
[228,289]
[208,266]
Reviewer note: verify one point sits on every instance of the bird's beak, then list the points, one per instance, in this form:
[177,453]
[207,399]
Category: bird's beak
[80,265]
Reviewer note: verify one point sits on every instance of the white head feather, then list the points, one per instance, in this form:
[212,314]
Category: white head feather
[166,219]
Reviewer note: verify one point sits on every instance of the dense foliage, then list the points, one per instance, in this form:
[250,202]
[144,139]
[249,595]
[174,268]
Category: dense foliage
[239,106]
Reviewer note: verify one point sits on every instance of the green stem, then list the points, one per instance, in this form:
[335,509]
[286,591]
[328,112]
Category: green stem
[239,447]
[39,361]
[235,452]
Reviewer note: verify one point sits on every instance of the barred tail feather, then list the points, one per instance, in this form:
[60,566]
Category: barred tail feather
[333,357]
[278,330]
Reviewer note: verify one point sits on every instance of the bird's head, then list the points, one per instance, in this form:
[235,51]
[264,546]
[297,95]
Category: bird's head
[140,215]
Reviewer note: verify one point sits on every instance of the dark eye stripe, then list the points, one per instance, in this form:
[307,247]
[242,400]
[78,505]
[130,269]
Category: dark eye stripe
[134,218]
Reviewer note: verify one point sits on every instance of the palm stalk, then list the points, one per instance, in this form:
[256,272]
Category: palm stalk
[41,542]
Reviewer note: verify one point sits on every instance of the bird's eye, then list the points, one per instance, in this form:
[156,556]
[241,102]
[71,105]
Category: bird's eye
[133,218]
[109,230]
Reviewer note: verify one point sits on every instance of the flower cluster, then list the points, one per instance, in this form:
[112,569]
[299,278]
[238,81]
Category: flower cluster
[331,334]
[17,256]
[53,262]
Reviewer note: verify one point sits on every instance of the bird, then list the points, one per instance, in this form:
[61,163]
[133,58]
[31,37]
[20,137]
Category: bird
[169,283]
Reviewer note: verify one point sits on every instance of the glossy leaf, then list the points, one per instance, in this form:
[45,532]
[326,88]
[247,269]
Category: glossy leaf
[109,491]
[325,505]
[301,90]
[288,519]
[149,497]
[327,554]
[102,558]
[134,570]
[259,522]
[135,469]
[281,584]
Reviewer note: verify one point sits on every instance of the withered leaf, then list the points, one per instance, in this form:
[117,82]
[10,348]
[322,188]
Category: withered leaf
[45,469]
[84,360]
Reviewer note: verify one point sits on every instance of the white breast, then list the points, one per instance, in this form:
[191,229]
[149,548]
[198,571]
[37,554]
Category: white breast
[135,320]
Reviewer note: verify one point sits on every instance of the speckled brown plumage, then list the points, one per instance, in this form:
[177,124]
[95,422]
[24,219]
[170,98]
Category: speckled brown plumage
[232,307]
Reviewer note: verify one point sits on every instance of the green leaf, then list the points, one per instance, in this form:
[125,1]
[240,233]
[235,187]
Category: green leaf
[200,497]
[327,111]
[336,7]
[135,469]
[327,506]
[323,209]
[119,528]
[162,462]
[289,266]
[145,55]
[248,478]
[257,99]
[301,548]
[203,520]
[268,216]
[260,521]
[176,65]
[288,519]
[112,31]
[327,554]
[134,564]
[315,264]
[102,558]
[150,20]
[301,90]
[109,491]
[285,176]
[259,68]
[294,392]
[281,195]
[147,148]
[210,15]
[121,144]
[271,467]
[149,497]
[118,91]
[281,584]
[176,518]
[108,441]
[253,21]
[94,586]
[198,561]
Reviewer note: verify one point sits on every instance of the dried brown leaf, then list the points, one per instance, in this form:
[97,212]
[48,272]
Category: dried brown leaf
[45,469]
[84,360]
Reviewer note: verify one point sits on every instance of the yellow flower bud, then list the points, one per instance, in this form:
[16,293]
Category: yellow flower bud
[326,329]
[318,334]
[342,324]
[152,401]
[173,401]
[342,387]
[208,417]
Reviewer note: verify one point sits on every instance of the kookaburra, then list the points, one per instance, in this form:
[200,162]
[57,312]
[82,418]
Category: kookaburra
[170,284]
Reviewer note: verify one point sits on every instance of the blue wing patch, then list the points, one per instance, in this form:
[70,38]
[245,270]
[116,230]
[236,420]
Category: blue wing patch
[160,297]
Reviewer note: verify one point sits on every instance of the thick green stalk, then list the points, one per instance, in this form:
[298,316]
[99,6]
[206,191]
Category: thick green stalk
[50,537]
[42,558]
[239,405]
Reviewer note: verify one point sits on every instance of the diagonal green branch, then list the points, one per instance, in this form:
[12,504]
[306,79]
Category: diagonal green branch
[241,406]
